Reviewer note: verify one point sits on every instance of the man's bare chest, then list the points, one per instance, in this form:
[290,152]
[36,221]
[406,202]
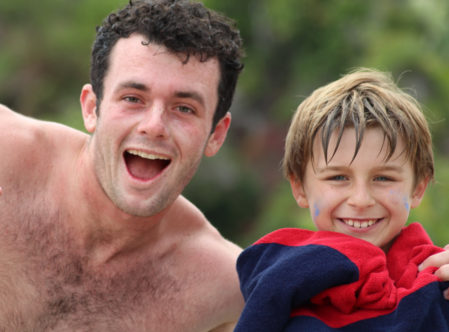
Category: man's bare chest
[47,285]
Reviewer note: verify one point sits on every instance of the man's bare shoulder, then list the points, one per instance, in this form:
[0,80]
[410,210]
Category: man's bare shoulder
[211,258]
[14,122]
[27,138]
[194,221]
[31,149]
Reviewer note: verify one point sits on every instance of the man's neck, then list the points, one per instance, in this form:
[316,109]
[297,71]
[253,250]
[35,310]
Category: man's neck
[103,231]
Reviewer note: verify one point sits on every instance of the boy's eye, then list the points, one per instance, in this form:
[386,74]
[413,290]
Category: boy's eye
[338,178]
[382,178]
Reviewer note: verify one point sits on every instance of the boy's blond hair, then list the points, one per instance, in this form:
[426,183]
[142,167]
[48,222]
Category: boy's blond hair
[362,99]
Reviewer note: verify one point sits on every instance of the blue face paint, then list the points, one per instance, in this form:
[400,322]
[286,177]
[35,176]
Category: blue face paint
[316,210]
[404,199]
[406,204]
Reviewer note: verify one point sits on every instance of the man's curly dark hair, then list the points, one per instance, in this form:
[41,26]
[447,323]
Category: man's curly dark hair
[183,27]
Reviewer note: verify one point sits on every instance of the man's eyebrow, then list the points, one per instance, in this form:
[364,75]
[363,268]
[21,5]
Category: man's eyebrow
[191,95]
[180,94]
[132,85]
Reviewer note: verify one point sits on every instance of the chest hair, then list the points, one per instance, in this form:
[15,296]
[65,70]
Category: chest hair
[71,295]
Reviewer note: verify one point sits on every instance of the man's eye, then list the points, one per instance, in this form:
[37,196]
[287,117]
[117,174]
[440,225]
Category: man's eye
[185,109]
[131,99]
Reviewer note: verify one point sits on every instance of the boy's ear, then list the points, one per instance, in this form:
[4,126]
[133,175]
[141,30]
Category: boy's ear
[88,101]
[298,192]
[217,138]
[418,192]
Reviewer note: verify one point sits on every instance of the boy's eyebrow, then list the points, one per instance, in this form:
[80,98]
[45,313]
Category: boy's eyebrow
[180,94]
[330,168]
[398,169]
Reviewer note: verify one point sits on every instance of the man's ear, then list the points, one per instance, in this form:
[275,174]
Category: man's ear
[298,192]
[217,138]
[88,101]
[418,192]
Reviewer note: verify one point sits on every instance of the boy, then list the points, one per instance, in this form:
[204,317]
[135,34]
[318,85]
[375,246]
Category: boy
[359,156]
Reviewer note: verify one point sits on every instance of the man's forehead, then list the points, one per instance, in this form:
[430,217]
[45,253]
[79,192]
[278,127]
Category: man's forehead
[140,45]
[139,56]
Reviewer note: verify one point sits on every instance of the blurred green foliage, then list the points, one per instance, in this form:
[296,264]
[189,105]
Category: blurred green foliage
[292,46]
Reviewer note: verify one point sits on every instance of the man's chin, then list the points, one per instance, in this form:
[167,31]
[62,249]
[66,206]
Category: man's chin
[143,209]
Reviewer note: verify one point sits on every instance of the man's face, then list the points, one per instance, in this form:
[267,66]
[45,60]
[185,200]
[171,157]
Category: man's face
[153,125]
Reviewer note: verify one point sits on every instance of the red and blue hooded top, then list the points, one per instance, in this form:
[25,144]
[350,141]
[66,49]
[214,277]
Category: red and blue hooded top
[300,280]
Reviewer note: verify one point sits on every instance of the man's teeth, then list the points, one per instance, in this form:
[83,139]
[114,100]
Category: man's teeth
[359,224]
[146,155]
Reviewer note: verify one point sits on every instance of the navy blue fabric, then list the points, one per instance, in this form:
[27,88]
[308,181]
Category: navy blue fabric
[423,311]
[284,277]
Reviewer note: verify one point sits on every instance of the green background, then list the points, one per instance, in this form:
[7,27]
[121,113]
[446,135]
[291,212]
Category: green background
[292,46]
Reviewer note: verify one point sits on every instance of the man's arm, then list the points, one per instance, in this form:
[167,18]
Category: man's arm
[440,260]
[228,327]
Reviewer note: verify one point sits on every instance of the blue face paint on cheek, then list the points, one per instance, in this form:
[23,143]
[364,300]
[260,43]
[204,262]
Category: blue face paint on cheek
[395,196]
[406,203]
[316,210]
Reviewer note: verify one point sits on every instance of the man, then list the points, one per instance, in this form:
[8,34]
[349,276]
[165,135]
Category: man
[95,235]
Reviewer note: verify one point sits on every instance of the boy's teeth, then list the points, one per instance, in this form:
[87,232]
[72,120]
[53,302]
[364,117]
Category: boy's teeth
[146,155]
[359,224]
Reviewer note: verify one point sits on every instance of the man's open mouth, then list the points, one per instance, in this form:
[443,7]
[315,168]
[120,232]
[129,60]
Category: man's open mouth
[145,166]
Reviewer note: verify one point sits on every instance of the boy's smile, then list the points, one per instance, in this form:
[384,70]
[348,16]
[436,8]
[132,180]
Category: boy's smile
[368,197]
[358,223]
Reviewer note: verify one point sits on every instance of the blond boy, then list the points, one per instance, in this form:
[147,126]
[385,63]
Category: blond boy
[359,156]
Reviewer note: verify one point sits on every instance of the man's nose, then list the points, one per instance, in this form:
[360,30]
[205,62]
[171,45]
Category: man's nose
[153,122]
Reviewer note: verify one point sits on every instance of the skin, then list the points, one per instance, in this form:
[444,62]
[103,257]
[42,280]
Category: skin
[90,240]
[369,198]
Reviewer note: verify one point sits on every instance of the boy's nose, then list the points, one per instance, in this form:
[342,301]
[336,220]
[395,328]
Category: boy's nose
[153,122]
[361,196]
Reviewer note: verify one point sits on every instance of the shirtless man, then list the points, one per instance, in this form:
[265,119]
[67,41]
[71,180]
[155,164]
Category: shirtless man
[95,235]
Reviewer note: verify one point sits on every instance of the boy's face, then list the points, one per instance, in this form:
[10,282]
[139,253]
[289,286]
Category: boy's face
[368,198]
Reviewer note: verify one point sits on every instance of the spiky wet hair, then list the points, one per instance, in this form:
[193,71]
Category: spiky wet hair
[364,98]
